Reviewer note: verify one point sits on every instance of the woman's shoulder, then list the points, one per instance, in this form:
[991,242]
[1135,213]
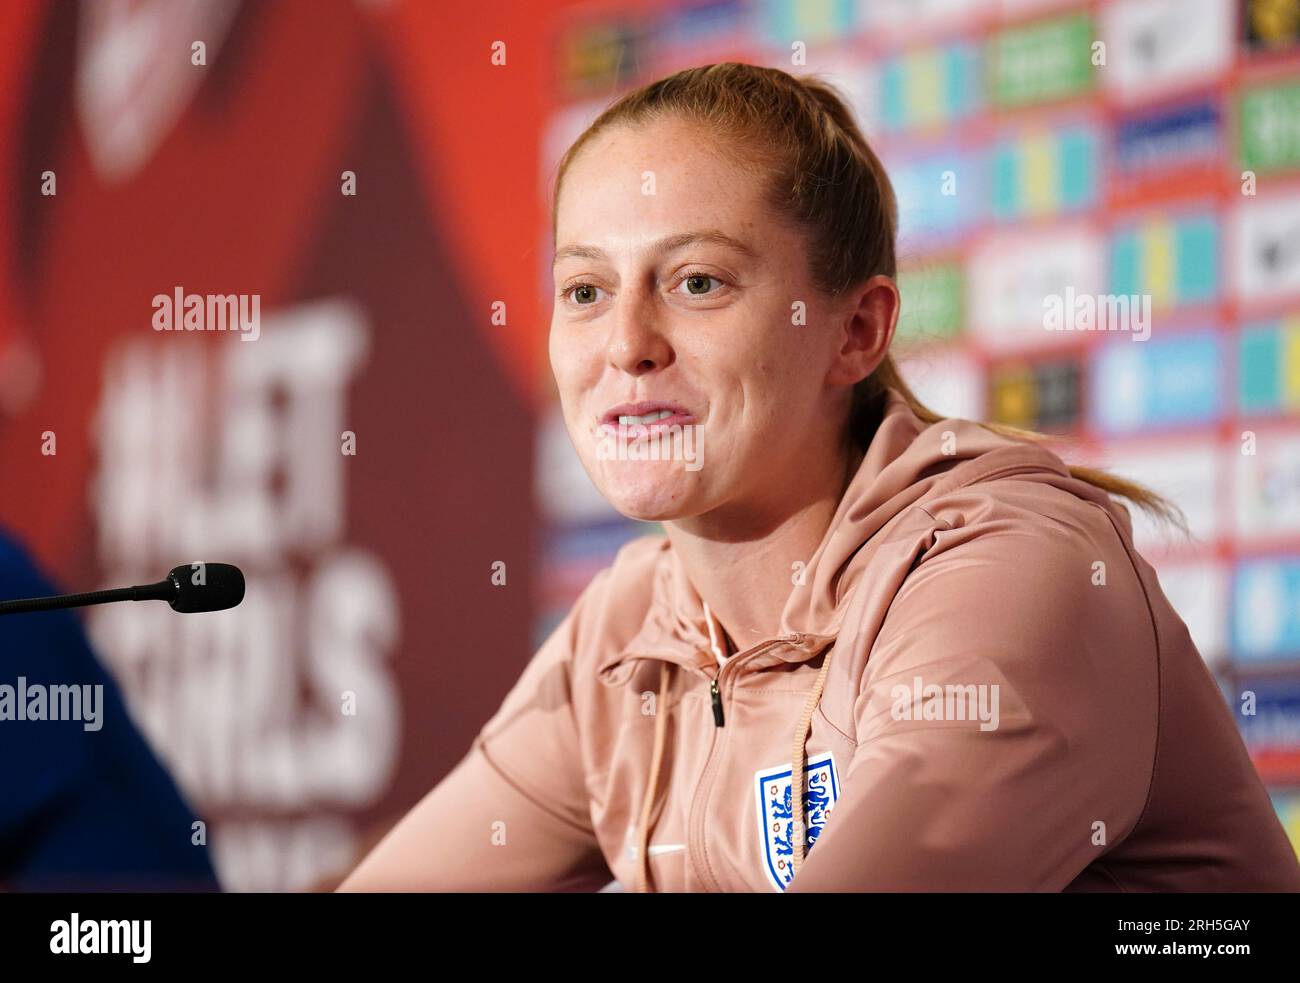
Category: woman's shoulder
[1014,570]
[615,603]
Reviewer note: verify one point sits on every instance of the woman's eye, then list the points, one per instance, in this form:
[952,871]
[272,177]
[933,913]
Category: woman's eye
[583,294]
[697,284]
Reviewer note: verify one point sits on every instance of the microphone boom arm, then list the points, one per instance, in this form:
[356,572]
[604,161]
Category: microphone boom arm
[164,590]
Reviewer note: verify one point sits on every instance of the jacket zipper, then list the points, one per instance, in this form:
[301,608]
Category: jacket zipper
[715,690]
[695,849]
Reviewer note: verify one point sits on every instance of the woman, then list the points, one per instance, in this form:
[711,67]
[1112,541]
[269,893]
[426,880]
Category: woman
[939,627]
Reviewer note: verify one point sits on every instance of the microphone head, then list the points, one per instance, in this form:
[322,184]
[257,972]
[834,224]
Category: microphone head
[206,587]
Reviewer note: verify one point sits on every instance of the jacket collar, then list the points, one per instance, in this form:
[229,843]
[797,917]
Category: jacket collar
[675,630]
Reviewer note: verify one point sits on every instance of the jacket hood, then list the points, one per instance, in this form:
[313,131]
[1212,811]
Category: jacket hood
[905,459]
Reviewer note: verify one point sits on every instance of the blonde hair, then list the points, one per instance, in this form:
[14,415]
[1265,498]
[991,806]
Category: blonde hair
[799,136]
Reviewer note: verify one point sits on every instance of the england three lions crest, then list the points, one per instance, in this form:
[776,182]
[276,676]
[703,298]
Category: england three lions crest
[776,812]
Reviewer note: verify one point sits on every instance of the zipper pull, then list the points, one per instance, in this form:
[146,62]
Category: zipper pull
[717,702]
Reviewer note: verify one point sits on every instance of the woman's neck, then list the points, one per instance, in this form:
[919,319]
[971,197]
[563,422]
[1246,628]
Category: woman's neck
[744,565]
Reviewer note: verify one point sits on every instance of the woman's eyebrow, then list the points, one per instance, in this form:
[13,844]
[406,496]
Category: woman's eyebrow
[667,244]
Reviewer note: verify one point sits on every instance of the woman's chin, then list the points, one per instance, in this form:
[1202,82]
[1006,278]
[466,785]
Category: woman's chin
[649,497]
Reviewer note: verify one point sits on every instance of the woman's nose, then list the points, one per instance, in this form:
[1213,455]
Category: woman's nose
[637,343]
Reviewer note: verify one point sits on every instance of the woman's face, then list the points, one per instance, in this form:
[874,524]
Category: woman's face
[681,296]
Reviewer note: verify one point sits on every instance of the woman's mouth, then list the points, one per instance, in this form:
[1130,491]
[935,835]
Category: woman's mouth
[635,420]
[651,417]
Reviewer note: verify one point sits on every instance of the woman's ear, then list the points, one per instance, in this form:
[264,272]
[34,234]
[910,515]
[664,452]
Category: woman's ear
[867,330]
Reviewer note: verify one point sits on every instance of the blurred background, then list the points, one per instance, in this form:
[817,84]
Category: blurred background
[378,175]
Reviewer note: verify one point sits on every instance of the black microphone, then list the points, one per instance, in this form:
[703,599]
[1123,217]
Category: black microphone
[189,589]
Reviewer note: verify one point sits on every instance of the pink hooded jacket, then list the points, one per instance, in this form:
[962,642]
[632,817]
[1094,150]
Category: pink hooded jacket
[978,679]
